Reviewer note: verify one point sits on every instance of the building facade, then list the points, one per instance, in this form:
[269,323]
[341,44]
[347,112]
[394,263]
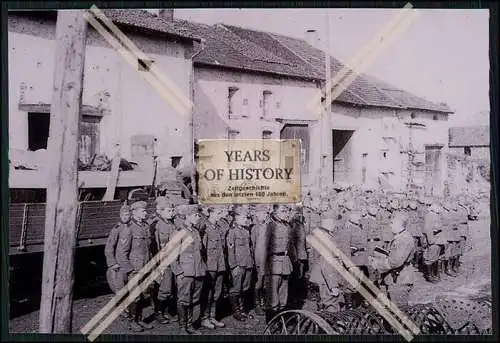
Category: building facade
[118,105]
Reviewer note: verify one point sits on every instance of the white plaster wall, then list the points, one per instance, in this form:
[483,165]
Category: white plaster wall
[136,107]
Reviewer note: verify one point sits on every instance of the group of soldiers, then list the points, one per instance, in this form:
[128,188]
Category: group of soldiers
[255,254]
[389,237]
[251,252]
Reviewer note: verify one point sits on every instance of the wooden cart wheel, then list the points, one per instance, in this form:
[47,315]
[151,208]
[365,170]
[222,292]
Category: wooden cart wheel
[298,322]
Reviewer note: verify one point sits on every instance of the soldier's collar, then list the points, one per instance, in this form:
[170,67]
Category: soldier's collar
[137,222]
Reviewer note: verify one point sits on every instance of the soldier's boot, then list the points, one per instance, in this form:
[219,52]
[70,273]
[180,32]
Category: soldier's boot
[236,308]
[348,301]
[241,303]
[205,321]
[188,326]
[212,316]
[436,271]
[161,312]
[258,308]
[449,265]
[426,269]
[134,325]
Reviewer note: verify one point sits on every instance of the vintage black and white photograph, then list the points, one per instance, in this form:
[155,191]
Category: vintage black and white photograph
[116,228]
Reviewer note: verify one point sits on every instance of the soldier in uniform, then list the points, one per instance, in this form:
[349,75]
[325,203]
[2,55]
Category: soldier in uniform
[463,231]
[189,269]
[446,237]
[277,259]
[325,276]
[399,274]
[133,253]
[260,221]
[240,261]
[214,243]
[164,227]
[113,274]
[414,228]
[432,231]
[383,219]
[454,238]
[356,239]
[298,256]
[372,230]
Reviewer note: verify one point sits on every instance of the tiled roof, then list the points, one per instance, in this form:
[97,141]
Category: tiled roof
[471,136]
[303,60]
[146,20]
[224,48]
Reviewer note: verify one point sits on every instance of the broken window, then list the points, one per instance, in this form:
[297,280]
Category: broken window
[266,134]
[266,97]
[38,130]
[175,160]
[39,127]
[467,151]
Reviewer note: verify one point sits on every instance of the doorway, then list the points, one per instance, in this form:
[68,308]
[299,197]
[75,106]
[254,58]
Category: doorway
[433,170]
[342,154]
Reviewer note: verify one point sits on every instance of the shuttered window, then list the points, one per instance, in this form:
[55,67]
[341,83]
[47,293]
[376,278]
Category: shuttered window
[299,131]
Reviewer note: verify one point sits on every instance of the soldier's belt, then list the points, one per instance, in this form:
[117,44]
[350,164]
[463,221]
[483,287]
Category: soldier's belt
[279,253]
[373,239]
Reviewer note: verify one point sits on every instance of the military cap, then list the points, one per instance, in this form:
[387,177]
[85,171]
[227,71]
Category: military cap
[163,202]
[364,212]
[349,205]
[125,209]
[404,204]
[241,210]
[412,204]
[261,208]
[188,209]
[394,204]
[435,208]
[372,210]
[355,218]
[139,205]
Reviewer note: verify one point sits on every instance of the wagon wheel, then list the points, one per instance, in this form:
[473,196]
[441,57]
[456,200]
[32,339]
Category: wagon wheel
[298,322]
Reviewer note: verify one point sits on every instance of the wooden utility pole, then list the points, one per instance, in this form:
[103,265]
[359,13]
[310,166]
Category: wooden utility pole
[327,116]
[62,187]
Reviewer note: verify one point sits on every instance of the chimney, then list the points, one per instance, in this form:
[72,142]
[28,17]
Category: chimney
[166,14]
[311,37]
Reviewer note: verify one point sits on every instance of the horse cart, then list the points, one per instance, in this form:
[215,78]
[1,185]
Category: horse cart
[448,314]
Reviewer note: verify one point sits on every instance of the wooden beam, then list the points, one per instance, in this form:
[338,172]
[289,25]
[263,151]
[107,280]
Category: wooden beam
[62,188]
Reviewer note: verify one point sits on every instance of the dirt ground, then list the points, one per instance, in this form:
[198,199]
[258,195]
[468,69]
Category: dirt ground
[475,269]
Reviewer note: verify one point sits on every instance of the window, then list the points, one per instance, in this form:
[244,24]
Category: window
[435,117]
[413,115]
[266,96]
[299,131]
[232,134]
[231,104]
[175,160]
[266,134]
[38,130]
[39,127]
[363,167]
[467,151]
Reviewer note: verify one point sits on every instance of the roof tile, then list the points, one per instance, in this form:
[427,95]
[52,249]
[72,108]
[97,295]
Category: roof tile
[472,136]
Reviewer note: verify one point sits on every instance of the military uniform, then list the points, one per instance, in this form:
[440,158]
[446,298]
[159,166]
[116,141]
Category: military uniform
[435,242]
[400,274]
[240,261]
[325,276]
[447,222]
[384,219]
[214,244]
[278,263]
[371,227]
[163,229]
[189,269]
[114,275]
[414,228]
[463,231]
[258,253]
[133,253]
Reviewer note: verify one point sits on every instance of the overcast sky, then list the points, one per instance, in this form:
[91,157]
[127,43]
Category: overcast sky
[442,56]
